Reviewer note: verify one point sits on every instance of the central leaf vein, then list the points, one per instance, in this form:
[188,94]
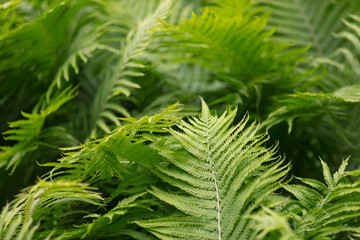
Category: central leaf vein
[215,182]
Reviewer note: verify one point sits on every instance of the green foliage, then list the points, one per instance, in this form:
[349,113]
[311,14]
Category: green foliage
[28,132]
[85,153]
[305,22]
[234,45]
[103,159]
[335,206]
[9,231]
[126,67]
[312,104]
[223,176]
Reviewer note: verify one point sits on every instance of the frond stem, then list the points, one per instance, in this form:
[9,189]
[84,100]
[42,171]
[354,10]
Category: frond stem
[215,182]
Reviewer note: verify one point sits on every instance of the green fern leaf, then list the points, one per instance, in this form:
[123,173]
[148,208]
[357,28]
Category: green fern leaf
[17,229]
[310,105]
[349,93]
[126,67]
[22,217]
[303,22]
[27,132]
[222,173]
[56,50]
[108,157]
[238,45]
[335,206]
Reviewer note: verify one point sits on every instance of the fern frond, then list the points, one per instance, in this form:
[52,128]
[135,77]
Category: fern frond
[311,105]
[27,132]
[223,176]
[83,44]
[48,195]
[17,229]
[335,206]
[137,40]
[35,203]
[126,67]
[303,22]
[101,223]
[237,46]
[272,225]
[108,157]
[56,50]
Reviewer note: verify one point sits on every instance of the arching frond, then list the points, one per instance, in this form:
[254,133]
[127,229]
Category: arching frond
[9,231]
[21,218]
[307,22]
[222,175]
[311,105]
[237,46]
[119,79]
[27,132]
[108,157]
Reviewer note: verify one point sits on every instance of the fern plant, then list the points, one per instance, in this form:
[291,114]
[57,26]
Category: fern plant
[85,153]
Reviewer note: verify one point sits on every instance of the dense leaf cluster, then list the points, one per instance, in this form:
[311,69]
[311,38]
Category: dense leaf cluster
[86,152]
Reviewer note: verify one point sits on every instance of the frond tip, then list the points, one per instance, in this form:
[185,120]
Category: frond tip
[222,174]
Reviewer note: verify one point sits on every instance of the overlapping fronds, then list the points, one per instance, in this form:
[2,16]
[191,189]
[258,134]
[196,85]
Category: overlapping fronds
[108,157]
[44,51]
[8,231]
[320,211]
[270,224]
[118,170]
[310,22]
[222,175]
[137,40]
[236,46]
[41,201]
[27,132]
[126,67]
[328,120]
[117,219]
